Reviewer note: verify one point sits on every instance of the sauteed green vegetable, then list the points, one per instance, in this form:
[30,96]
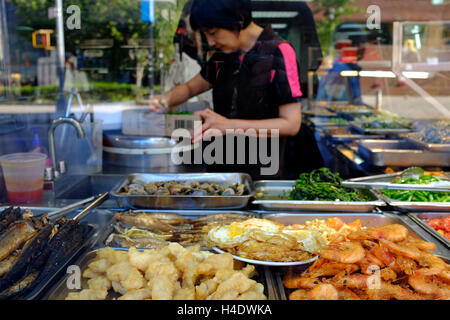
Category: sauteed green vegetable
[324,185]
[417,195]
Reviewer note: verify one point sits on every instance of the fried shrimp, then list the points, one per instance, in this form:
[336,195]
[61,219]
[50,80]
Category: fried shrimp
[420,244]
[445,275]
[434,265]
[347,294]
[391,232]
[300,282]
[406,265]
[323,292]
[299,294]
[384,255]
[388,274]
[344,252]
[377,264]
[407,251]
[390,291]
[332,268]
[429,286]
[357,281]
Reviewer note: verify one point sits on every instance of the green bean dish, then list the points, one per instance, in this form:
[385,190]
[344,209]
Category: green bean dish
[417,195]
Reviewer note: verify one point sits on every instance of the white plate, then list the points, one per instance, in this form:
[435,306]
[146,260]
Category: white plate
[269,263]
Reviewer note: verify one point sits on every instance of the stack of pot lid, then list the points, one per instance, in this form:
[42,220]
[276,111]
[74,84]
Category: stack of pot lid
[115,142]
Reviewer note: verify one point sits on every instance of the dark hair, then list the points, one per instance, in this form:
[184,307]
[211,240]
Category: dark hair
[225,14]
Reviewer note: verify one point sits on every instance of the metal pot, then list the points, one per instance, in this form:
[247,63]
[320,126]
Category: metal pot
[141,154]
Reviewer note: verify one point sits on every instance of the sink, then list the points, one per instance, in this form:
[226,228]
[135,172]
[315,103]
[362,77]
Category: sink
[81,187]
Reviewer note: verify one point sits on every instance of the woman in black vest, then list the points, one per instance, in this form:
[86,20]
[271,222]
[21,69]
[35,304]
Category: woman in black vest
[254,76]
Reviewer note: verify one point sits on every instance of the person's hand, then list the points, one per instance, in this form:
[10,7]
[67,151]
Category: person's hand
[213,125]
[158,104]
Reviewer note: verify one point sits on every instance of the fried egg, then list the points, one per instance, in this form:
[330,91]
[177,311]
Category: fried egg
[238,232]
[309,241]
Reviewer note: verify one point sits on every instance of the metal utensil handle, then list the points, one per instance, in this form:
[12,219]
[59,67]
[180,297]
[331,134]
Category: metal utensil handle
[94,204]
[65,210]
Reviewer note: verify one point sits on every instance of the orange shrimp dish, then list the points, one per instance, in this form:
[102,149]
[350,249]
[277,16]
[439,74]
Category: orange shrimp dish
[375,263]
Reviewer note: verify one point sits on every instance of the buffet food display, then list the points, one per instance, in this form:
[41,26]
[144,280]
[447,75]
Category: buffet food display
[168,273]
[320,190]
[382,127]
[346,269]
[269,241]
[418,195]
[413,178]
[276,185]
[33,250]
[435,137]
[325,249]
[184,191]
[151,230]
[441,225]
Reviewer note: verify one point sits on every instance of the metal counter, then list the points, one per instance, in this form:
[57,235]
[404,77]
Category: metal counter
[101,219]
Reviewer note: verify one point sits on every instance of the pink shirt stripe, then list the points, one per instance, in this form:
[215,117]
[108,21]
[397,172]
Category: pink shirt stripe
[272,75]
[290,61]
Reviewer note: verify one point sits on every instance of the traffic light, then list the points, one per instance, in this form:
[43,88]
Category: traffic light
[42,39]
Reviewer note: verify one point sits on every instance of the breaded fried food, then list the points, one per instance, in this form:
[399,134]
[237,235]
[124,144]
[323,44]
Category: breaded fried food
[231,288]
[141,260]
[117,287]
[99,283]
[256,292]
[184,294]
[99,265]
[133,280]
[118,271]
[89,274]
[139,294]
[187,262]
[206,288]
[172,272]
[163,288]
[214,263]
[163,268]
[88,294]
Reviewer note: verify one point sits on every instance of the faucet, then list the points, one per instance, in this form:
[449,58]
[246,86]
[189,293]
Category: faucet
[51,137]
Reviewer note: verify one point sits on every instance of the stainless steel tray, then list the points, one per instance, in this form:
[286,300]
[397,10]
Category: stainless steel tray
[367,220]
[89,239]
[186,202]
[358,126]
[346,137]
[384,181]
[285,292]
[277,188]
[399,153]
[60,291]
[342,110]
[319,112]
[189,214]
[37,211]
[419,219]
[46,283]
[416,205]
[325,122]
[437,147]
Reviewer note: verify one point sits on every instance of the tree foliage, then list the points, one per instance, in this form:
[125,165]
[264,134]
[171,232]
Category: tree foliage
[333,11]
[119,20]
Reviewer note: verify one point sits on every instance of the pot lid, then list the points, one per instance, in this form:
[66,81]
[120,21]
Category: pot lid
[116,139]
